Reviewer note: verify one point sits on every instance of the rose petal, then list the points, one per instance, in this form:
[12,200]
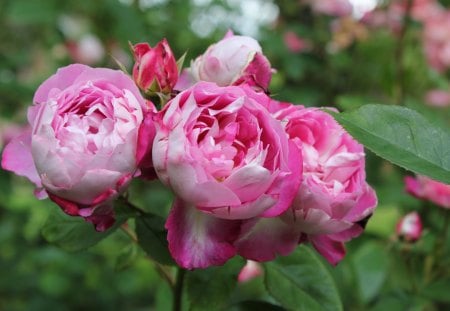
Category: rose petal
[262,239]
[197,240]
[17,158]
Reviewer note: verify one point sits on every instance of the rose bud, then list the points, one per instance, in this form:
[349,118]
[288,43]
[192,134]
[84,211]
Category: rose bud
[155,69]
[428,189]
[409,227]
[251,270]
[233,60]
[83,140]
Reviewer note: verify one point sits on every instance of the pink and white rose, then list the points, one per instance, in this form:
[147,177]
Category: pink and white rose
[333,200]
[426,188]
[226,159]
[83,139]
[233,60]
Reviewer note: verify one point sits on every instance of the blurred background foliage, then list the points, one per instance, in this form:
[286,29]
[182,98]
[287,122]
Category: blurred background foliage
[320,60]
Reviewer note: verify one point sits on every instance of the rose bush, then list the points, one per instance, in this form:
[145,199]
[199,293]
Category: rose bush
[83,139]
[226,159]
[332,200]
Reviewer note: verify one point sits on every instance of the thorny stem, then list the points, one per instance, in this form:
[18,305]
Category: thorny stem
[399,53]
[178,290]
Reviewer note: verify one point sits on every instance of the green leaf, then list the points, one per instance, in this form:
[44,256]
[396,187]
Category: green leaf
[301,282]
[180,62]
[73,233]
[127,257]
[402,136]
[213,286]
[383,221]
[252,305]
[438,291]
[152,237]
[370,263]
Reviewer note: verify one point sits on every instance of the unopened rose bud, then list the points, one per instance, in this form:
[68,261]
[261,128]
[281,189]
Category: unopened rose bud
[409,227]
[234,60]
[155,69]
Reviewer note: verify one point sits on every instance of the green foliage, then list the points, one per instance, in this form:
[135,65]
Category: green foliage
[151,237]
[211,287]
[301,282]
[370,264]
[73,233]
[401,136]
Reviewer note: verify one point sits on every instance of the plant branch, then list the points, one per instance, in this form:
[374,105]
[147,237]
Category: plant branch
[399,55]
[178,291]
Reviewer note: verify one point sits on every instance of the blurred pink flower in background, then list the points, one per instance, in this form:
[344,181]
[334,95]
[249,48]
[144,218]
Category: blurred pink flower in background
[421,10]
[437,41]
[425,188]
[87,50]
[295,43]
[409,227]
[251,270]
[331,7]
[438,98]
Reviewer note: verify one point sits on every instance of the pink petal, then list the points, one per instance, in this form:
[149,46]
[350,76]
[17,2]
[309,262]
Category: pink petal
[197,240]
[365,205]
[249,182]
[102,217]
[262,239]
[206,194]
[18,159]
[333,251]
[287,185]
[147,132]
[257,73]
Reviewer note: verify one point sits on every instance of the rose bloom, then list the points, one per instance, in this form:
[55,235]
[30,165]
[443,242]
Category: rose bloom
[82,143]
[425,188]
[232,61]
[333,201]
[409,227]
[226,159]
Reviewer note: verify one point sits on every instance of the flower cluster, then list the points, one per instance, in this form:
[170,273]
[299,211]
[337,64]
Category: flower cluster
[252,176]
